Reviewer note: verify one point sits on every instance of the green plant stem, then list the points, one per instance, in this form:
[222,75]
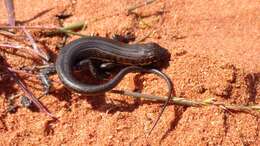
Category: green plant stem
[67,29]
[186,102]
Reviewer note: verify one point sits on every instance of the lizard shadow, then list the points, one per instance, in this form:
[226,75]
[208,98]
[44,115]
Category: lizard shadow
[252,83]
[101,102]
[7,84]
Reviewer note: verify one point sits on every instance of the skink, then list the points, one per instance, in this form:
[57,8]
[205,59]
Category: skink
[134,56]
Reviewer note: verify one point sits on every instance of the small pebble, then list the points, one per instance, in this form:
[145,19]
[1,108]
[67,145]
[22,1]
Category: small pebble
[26,102]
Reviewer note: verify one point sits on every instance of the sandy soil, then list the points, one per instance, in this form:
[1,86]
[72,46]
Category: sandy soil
[215,52]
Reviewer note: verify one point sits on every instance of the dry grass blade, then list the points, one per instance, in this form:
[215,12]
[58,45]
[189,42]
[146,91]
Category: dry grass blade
[11,46]
[140,5]
[30,27]
[26,91]
[20,48]
[6,33]
[36,49]
[9,4]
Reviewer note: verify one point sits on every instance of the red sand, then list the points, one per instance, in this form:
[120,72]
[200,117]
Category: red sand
[215,53]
